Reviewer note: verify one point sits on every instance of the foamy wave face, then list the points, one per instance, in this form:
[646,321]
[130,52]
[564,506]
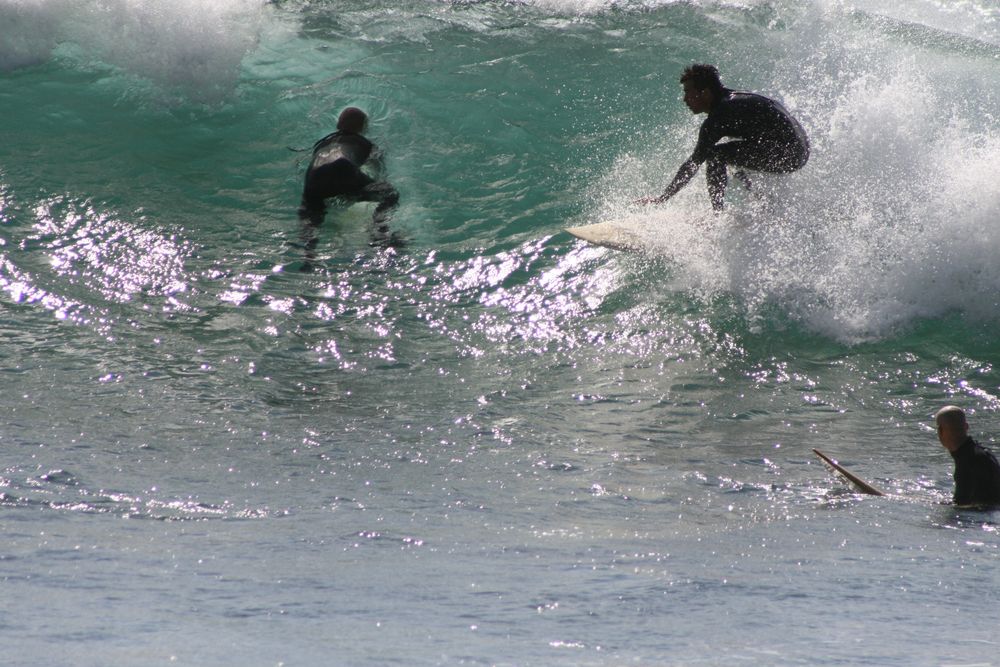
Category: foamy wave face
[196,45]
[895,221]
[895,217]
[28,32]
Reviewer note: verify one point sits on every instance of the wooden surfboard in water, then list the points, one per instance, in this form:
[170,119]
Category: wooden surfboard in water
[860,484]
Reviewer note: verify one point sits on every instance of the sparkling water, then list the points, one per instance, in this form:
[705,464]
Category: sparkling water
[231,439]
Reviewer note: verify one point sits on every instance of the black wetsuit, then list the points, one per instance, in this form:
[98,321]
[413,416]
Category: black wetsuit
[335,171]
[977,475]
[763,137]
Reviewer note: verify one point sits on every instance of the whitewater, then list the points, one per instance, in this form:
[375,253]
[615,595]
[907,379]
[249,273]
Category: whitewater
[234,439]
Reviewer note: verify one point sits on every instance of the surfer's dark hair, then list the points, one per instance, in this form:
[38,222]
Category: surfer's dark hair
[352,119]
[703,77]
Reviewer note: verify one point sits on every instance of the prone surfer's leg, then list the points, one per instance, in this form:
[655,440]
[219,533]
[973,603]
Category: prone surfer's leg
[387,198]
[312,213]
[334,179]
[314,193]
[312,208]
[309,237]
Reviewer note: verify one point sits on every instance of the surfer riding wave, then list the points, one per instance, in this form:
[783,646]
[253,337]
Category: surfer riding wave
[763,136]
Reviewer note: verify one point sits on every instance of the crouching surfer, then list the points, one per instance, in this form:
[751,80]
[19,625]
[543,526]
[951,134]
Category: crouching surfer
[762,135]
[335,171]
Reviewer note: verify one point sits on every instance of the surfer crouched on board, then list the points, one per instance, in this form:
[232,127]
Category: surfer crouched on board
[763,136]
[335,171]
[977,473]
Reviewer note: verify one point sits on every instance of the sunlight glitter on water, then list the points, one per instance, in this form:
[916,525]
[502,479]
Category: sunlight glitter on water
[112,257]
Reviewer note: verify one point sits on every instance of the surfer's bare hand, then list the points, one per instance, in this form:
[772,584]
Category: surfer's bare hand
[645,201]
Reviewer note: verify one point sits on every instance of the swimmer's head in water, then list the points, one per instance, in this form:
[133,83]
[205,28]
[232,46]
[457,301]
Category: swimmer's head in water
[952,427]
[352,119]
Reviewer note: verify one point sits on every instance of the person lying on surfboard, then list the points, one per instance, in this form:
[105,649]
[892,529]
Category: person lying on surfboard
[762,135]
[977,473]
[335,171]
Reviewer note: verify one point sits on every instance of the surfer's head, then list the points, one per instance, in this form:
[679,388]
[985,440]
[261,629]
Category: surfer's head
[702,87]
[352,119]
[952,428]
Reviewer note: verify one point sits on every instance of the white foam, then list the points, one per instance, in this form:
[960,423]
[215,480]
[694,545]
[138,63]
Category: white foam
[194,44]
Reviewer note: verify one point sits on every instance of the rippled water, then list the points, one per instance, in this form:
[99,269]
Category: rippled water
[231,439]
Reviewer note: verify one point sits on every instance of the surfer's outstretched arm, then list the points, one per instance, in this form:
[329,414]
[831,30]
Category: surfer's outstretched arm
[683,177]
[377,162]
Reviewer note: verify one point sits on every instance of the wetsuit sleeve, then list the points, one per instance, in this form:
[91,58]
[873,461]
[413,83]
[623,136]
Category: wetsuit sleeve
[710,133]
[682,178]
[712,130]
[976,479]
[707,137]
[377,160]
[965,486]
[691,165]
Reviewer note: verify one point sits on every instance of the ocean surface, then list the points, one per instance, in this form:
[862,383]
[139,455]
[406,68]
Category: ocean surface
[232,439]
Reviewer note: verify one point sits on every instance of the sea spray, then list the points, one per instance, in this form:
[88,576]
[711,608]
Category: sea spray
[892,220]
[189,46]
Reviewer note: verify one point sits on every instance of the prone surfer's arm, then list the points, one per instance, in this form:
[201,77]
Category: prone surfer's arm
[377,159]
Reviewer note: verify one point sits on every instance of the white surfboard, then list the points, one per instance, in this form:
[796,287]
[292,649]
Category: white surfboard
[610,234]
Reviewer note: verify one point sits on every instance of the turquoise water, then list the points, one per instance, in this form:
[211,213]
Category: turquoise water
[233,440]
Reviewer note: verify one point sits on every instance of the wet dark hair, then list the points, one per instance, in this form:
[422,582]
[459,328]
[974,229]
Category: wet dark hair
[352,119]
[703,77]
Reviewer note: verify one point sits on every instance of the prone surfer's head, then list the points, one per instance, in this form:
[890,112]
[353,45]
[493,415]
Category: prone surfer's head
[352,119]
[952,428]
[702,87]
